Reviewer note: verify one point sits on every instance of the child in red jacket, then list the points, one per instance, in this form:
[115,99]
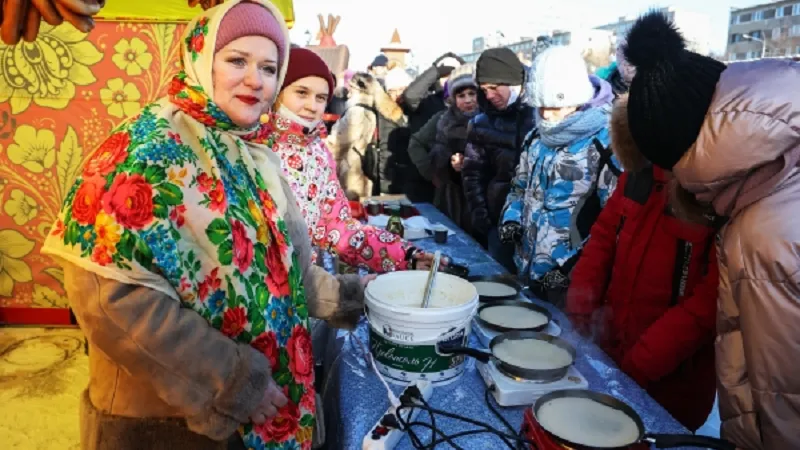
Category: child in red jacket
[645,287]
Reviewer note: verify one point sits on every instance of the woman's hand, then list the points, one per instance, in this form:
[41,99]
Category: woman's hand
[366,279]
[424,261]
[272,401]
[457,161]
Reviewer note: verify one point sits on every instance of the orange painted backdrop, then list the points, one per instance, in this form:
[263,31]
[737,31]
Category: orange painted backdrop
[59,98]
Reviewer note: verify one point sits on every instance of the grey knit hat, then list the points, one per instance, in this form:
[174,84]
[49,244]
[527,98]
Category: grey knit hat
[461,78]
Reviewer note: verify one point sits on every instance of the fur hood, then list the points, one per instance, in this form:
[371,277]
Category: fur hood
[366,91]
[622,142]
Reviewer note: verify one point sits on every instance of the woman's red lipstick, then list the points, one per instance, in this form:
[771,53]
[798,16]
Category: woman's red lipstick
[249,99]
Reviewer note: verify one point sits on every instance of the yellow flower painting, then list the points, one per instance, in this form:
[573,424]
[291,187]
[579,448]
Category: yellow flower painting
[121,98]
[14,246]
[132,56]
[21,207]
[48,298]
[33,149]
[60,98]
[45,72]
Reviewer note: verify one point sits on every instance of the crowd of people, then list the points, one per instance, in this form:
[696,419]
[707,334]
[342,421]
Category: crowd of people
[651,201]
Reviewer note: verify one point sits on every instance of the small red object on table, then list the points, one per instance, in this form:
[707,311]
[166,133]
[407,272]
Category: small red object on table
[532,431]
[357,210]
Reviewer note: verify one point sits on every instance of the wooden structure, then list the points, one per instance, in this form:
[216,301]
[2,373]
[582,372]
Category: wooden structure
[396,51]
[337,57]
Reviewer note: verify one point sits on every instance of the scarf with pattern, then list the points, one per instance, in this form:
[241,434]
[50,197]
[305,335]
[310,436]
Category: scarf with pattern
[173,200]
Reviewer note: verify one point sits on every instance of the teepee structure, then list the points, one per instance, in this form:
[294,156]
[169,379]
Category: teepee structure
[336,56]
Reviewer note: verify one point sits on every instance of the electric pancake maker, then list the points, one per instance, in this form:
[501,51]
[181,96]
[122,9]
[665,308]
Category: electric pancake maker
[640,439]
[532,431]
[515,391]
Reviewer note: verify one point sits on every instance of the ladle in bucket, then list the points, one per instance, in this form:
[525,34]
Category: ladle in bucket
[426,298]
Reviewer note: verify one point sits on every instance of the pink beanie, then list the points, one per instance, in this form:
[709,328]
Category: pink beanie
[250,19]
[348,75]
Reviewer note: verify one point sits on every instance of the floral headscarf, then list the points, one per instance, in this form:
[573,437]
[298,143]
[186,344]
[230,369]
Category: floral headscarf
[173,200]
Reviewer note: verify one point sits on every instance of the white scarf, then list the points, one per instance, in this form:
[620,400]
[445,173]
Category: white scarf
[287,113]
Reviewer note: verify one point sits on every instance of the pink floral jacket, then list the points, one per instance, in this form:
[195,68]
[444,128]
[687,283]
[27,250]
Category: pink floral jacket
[311,170]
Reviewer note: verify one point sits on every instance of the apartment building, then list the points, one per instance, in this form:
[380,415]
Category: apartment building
[765,30]
[523,48]
[695,27]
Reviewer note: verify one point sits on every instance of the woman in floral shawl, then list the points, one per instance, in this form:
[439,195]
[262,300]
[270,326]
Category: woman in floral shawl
[296,132]
[187,261]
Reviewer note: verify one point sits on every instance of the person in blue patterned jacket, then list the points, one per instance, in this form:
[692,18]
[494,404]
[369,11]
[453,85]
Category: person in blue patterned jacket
[565,175]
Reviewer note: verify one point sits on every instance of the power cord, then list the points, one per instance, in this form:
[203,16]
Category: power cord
[487,398]
[409,402]
[413,399]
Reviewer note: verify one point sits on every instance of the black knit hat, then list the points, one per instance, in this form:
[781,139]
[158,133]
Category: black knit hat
[380,61]
[499,66]
[671,92]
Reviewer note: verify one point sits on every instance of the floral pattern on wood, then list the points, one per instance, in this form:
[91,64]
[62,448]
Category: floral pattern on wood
[60,97]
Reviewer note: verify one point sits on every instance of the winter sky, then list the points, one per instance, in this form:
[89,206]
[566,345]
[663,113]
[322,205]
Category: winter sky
[432,27]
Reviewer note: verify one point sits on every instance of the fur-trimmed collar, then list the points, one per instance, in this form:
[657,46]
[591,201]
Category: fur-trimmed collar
[622,142]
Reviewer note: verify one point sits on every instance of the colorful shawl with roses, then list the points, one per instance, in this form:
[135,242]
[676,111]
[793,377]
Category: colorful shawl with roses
[174,201]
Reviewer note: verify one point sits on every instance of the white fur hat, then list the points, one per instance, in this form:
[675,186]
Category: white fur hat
[449,61]
[397,78]
[560,79]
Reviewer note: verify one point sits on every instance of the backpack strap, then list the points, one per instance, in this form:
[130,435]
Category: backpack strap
[532,136]
[605,158]
[590,207]
[372,166]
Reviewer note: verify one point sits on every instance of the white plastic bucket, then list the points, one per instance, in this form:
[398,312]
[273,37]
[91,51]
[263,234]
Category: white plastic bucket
[403,335]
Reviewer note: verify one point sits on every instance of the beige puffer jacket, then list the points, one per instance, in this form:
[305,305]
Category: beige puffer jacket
[745,164]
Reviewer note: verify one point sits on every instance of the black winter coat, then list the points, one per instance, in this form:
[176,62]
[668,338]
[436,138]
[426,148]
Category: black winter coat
[422,99]
[394,166]
[338,102]
[393,138]
[451,138]
[336,107]
[420,102]
[491,158]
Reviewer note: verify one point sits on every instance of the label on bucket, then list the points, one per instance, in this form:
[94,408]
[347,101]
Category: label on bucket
[413,358]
